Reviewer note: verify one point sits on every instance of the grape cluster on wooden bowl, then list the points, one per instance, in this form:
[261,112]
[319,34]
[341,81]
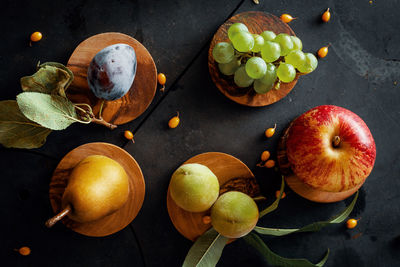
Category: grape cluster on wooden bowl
[264,60]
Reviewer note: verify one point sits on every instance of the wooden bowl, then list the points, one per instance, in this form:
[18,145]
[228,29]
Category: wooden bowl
[299,186]
[119,219]
[232,174]
[256,22]
[140,95]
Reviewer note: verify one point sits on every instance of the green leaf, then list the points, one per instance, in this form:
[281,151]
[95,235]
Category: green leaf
[206,251]
[275,204]
[51,111]
[276,260]
[314,227]
[51,78]
[16,130]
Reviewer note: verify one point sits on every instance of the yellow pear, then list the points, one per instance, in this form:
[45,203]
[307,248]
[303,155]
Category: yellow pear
[194,187]
[234,214]
[97,187]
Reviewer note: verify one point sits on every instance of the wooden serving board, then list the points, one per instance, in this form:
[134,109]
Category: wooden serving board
[301,188]
[119,219]
[256,22]
[138,98]
[232,174]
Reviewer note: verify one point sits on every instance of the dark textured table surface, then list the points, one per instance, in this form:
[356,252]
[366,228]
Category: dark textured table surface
[360,73]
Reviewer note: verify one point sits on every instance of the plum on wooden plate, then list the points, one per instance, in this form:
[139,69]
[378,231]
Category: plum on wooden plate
[112,71]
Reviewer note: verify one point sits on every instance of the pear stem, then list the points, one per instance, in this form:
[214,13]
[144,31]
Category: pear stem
[50,222]
[336,141]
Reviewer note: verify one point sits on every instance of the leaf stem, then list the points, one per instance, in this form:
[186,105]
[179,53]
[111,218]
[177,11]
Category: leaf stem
[101,109]
[85,105]
[90,117]
[101,121]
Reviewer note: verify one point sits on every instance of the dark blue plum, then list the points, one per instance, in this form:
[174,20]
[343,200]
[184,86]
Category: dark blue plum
[112,71]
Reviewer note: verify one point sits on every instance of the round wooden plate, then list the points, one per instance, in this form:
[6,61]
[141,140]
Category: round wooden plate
[301,188]
[256,22]
[138,98]
[232,174]
[119,219]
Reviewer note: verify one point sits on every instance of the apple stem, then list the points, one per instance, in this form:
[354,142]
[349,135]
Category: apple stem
[336,141]
[52,221]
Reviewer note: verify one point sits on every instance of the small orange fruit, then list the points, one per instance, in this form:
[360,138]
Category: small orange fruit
[129,135]
[326,16]
[161,78]
[278,192]
[24,251]
[270,131]
[206,219]
[265,155]
[323,51]
[36,36]
[351,223]
[287,18]
[270,163]
[174,121]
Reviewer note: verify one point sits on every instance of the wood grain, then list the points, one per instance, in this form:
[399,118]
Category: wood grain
[232,175]
[138,98]
[119,219]
[256,22]
[301,188]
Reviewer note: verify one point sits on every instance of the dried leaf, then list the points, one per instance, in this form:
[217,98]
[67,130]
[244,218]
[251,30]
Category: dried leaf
[206,251]
[275,204]
[16,130]
[51,111]
[51,78]
[276,260]
[314,227]
[62,67]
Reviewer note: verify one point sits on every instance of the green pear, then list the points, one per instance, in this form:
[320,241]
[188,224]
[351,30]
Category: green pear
[234,214]
[97,187]
[194,187]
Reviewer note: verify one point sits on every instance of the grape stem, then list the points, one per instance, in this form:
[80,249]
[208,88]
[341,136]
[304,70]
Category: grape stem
[259,198]
[278,85]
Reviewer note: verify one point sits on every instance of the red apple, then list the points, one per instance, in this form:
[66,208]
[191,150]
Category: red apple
[330,149]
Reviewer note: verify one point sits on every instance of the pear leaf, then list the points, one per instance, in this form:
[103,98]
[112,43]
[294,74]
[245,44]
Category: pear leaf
[276,260]
[51,111]
[206,251]
[275,204]
[50,78]
[314,227]
[16,130]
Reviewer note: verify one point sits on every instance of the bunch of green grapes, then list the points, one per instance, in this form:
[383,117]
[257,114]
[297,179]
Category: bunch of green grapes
[264,60]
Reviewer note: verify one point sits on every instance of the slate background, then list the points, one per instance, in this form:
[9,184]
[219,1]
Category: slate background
[360,73]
